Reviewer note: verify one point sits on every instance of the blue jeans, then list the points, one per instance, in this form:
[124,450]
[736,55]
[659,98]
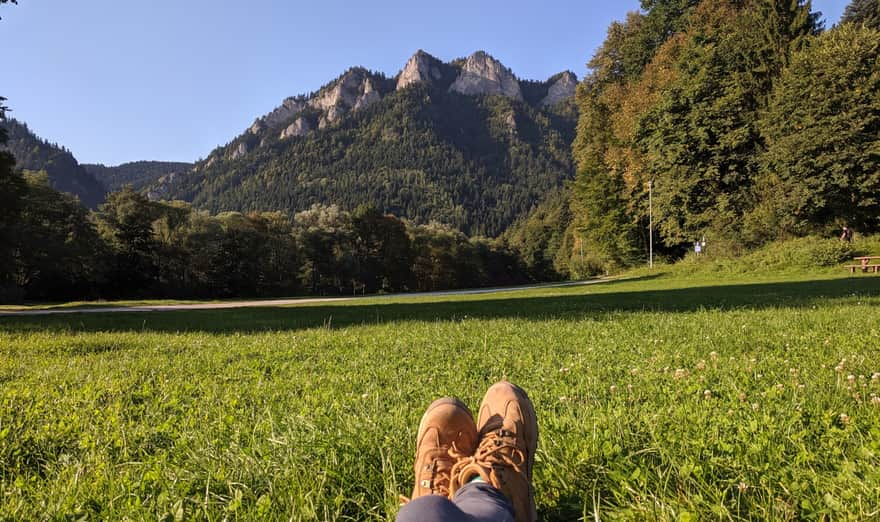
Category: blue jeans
[474,502]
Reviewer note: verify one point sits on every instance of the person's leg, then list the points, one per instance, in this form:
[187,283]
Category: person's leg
[474,502]
[483,503]
[431,508]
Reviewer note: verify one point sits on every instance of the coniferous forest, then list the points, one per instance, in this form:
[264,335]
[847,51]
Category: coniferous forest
[750,120]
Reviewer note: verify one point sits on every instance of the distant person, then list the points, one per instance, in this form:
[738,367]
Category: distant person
[698,248]
[846,235]
[475,472]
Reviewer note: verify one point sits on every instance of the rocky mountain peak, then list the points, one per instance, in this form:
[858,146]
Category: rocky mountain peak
[482,74]
[421,67]
[562,88]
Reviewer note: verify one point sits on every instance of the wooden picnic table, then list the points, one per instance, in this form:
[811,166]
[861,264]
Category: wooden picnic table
[865,264]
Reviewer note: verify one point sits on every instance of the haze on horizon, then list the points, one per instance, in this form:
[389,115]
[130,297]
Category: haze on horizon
[117,81]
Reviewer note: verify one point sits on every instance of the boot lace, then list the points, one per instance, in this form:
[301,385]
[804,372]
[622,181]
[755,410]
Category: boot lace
[497,451]
[443,465]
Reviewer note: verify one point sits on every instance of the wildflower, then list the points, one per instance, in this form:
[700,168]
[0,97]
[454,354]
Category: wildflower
[875,400]
[707,394]
[701,365]
[780,386]
[857,397]
[629,388]
[741,397]
[563,398]
[844,419]
[680,373]
[564,369]
[756,406]
[613,389]
[365,395]
[850,378]
[801,386]
[742,487]
[713,356]
[793,372]
[875,377]
[634,371]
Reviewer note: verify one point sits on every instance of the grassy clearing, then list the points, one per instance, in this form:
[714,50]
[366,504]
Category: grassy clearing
[681,396]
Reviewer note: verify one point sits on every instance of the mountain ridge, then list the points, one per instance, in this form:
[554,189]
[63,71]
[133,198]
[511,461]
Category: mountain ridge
[477,120]
[64,172]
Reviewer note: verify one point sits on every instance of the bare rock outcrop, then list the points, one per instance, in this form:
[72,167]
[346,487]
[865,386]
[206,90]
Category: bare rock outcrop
[483,75]
[240,151]
[300,127]
[562,89]
[368,96]
[420,68]
[289,108]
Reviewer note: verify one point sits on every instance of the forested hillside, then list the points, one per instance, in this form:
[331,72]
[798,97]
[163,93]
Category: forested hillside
[138,174]
[64,172]
[751,120]
[440,142]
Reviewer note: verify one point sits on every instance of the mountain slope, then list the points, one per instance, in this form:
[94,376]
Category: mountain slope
[464,143]
[138,174]
[65,173]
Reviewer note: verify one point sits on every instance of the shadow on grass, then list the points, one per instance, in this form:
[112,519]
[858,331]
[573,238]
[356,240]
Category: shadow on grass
[595,302]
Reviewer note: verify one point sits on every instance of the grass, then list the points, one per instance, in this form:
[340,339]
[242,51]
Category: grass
[679,396]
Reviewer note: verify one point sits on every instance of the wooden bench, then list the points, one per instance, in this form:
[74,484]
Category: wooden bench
[864,265]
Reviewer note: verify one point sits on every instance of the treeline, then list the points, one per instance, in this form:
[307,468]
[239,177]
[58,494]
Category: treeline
[133,247]
[751,120]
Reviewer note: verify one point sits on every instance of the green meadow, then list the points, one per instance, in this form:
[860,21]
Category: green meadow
[671,395]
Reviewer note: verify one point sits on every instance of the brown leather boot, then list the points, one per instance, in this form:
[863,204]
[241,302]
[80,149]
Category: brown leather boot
[446,434]
[508,431]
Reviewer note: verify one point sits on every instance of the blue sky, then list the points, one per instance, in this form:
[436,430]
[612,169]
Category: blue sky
[124,80]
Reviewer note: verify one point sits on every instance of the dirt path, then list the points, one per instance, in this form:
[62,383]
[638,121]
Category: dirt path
[280,302]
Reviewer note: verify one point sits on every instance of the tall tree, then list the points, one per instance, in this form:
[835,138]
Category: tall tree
[864,12]
[12,189]
[59,253]
[822,164]
[125,221]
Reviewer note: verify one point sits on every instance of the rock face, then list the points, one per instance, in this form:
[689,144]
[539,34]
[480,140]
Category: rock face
[562,89]
[482,75]
[300,127]
[421,68]
[240,151]
[288,108]
[353,90]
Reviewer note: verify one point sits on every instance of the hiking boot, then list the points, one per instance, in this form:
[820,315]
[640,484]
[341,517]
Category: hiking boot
[446,434]
[508,430]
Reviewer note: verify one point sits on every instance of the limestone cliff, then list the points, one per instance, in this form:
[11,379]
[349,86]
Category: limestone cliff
[420,68]
[484,75]
[562,89]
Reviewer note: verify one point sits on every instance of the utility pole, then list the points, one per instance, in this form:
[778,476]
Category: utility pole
[651,223]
